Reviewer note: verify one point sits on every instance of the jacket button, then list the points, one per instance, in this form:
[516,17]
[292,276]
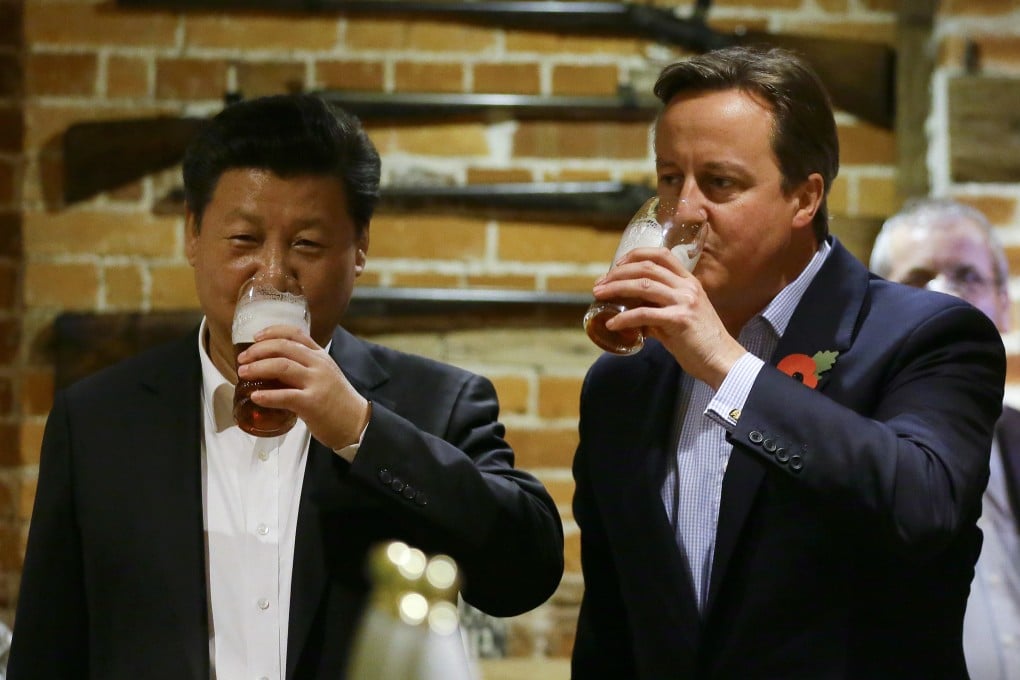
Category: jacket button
[796,463]
[409,493]
[397,485]
[384,476]
[769,445]
[782,455]
[421,499]
[755,436]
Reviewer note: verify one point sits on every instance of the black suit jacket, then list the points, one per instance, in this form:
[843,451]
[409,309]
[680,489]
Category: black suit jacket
[847,528]
[114,582]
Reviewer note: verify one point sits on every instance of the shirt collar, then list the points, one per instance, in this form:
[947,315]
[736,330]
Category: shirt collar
[779,311]
[217,391]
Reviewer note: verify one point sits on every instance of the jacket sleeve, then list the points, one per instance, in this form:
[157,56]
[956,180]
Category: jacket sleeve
[460,484]
[898,442]
[51,624]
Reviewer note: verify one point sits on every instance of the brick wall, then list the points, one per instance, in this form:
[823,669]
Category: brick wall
[16,483]
[991,31]
[89,60]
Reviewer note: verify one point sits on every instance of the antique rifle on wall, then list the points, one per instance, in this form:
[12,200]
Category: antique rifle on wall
[600,205]
[859,75]
[102,155]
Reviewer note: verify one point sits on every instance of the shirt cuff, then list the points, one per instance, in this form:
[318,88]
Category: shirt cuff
[351,450]
[729,399]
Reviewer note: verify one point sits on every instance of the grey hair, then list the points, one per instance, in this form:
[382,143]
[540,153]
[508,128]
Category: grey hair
[938,213]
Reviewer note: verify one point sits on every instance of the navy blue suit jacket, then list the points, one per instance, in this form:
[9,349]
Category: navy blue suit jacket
[114,583]
[847,530]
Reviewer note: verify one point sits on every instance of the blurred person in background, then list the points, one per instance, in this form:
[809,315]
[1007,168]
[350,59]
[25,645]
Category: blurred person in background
[949,247]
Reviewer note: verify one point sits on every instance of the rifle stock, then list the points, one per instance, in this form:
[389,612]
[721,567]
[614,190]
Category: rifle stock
[141,146]
[102,155]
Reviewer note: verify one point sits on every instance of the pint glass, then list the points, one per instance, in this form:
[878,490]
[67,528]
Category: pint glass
[660,222]
[260,304]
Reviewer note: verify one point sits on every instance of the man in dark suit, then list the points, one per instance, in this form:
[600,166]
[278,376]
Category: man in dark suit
[785,482]
[944,245]
[167,543]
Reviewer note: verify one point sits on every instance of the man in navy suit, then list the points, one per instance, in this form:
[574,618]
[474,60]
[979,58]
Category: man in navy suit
[167,543]
[785,482]
[950,247]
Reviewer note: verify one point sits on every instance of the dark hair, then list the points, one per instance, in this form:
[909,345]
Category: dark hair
[290,135]
[804,136]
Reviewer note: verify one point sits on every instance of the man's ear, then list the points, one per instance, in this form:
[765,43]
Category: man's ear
[361,256]
[809,197]
[190,235]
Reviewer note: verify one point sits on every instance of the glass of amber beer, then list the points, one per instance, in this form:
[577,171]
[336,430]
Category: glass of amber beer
[262,303]
[660,222]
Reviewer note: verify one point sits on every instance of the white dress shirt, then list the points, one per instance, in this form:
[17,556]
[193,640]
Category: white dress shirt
[251,489]
[692,489]
[991,627]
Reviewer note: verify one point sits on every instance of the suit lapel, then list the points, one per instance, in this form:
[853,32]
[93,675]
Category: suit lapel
[628,473]
[321,479]
[825,319]
[171,471]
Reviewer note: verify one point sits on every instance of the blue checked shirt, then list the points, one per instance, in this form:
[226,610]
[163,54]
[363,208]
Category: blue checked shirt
[692,489]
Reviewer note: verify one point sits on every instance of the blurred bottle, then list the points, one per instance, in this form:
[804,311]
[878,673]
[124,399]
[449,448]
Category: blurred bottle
[409,629]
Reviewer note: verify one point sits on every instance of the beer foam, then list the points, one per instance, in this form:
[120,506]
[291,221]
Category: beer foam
[688,254]
[252,317]
[642,233]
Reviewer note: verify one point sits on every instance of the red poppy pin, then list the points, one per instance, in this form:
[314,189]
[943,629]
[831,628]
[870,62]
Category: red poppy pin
[807,369]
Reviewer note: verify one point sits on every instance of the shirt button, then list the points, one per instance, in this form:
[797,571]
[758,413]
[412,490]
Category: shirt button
[263,603]
[263,530]
[263,456]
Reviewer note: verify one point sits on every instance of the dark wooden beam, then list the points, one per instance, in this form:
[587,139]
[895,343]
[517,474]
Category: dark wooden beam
[915,63]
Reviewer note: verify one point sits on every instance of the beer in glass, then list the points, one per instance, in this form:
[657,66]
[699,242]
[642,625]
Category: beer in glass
[660,222]
[261,304]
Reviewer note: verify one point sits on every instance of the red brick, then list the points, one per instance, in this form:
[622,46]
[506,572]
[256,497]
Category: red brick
[497,175]
[447,36]
[10,455]
[558,396]
[101,232]
[36,391]
[602,140]
[100,24]
[864,144]
[6,397]
[10,234]
[999,210]
[349,75]
[429,77]
[126,77]
[507,78]
[572,80]
[11,130]
[10,76]
[249,31]
[190,79]
[543,447]
[257,79]
[514,392]
[10,336]
[427,237]
[61,74]
[11,17]
[64,286]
